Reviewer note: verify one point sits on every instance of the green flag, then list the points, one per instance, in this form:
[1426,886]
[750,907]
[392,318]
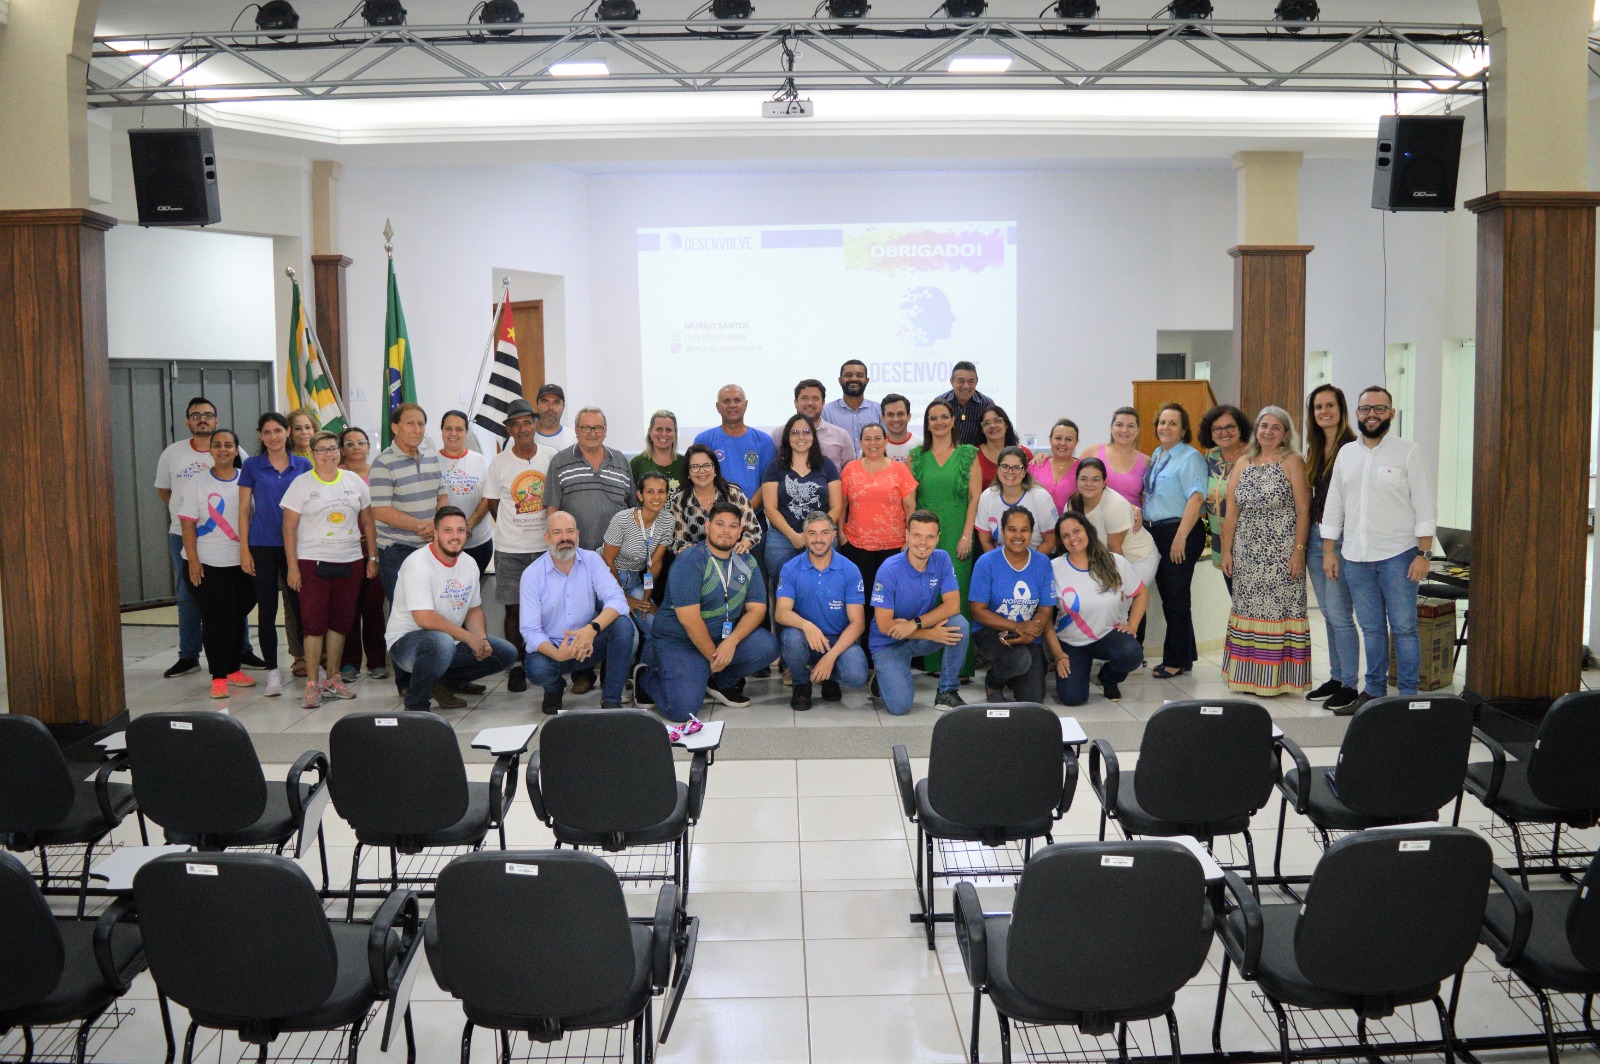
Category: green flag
[306,381]
[398,384]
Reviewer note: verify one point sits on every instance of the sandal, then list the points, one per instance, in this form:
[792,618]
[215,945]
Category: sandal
[1167,672]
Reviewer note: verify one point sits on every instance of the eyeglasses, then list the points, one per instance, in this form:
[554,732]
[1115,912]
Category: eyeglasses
[324,450]
[701,467]
[1379,410]
[207,415]
[1224,429]
[1010,468]
[591,428]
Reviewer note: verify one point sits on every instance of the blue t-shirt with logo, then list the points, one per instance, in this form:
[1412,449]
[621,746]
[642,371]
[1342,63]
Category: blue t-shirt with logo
[721,587]
[742,457]
[821,597]
[909,593]
[1013,595]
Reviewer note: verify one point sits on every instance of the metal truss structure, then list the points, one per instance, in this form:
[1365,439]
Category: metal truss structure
[706,55]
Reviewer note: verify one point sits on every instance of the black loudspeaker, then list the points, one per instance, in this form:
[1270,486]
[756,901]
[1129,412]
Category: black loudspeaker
[1418,157]
[175,176]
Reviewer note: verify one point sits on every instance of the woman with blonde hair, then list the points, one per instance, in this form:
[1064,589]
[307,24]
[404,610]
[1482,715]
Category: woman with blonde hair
[303,424]
[660,454]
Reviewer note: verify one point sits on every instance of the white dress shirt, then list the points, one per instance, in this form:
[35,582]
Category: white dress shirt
[1379,499]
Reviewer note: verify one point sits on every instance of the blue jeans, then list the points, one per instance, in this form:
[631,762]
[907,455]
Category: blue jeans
[1344,647]
[849,668]
[1121,653]
[189,627]
[390,559]
[776,550]
[613,652]
[632,584]
[677,680]
[893,663]
[432,658]
[1386,602]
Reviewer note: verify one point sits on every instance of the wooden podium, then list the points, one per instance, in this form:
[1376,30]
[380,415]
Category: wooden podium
[1193,395]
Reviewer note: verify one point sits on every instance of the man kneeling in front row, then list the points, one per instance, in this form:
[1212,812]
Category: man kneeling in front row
[436,631]
[821,611]
[916,610]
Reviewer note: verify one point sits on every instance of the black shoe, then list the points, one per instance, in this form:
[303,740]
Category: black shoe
[830,691]
[732,697]
[583,681]
[800,699]
[466,688]
[949,700]
[1327,690]
[251,660]
[516,679]
[640,697]
[446,698]
[1111,690]
[1344,702]
[610,705]
[873,687]
[183,667]
[763,673]
[552,701]
[993,694]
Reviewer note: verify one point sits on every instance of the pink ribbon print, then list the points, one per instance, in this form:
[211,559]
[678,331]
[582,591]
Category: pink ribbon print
[215,506]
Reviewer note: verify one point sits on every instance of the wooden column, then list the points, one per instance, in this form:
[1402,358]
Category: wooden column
[58,555]
[1269,325]
[328,276]
[1536,289]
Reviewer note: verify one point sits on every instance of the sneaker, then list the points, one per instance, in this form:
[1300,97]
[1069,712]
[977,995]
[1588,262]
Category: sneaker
[676,732]
[237,678]
[516,679]
[313,696]
[993,694]
[378,672]
[1111,690]
[298,668]
[640,697]
[219,687]
[1342,701]
[349,674]
[183,667]
[731,697]
[447,698]
[332,688]
[1325,691]
[252,661]
[830,691]
[583,681]
[949,700]
[552,701]
[786,679]
[274,685]
[800,698]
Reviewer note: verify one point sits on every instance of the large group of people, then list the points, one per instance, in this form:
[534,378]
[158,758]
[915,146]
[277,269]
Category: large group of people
[845,552]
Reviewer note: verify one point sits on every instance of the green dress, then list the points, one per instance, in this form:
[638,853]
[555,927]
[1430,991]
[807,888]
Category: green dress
[943,489]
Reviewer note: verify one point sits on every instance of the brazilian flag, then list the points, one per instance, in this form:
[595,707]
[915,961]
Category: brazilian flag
[398,384]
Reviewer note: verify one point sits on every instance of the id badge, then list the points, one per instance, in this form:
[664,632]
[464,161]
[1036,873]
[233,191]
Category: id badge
[649,581]
[727,628]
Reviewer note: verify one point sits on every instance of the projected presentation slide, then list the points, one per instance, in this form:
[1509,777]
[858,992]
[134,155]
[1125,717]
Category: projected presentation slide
[766,306]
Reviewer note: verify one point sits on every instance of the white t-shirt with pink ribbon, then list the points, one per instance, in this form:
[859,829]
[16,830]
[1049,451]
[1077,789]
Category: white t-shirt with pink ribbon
[213,506]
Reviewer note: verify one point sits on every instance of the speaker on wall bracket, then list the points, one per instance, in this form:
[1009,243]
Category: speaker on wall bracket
[1417,162]
[175,176]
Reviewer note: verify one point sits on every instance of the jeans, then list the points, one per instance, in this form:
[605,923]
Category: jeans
[1386,602]
[432,658]
[677,681]
[613,650]
[189,644]
[390,559]
[849,668]
[1121,653]
[893,662]
[776,551]
[1020,665]
[1178,650]
[272,568]
[1333,596]
[632,584]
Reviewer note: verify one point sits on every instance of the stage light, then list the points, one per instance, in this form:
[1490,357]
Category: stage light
[1077,9]
[1190,10]
[979,64]
[965,9]
[729,10]
[617,11]
[499,13]
[277,15]
[848,9]
[383,13]
[1297,11]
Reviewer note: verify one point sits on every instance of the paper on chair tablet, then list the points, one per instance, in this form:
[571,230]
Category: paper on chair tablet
[1072,733]
[118,868]
[709,737]
[115,743]
[509,740]
[1208,863]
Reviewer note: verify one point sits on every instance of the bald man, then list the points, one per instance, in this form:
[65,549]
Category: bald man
[743,452]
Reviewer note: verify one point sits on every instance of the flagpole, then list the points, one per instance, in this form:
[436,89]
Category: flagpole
[321,356]
[488,349]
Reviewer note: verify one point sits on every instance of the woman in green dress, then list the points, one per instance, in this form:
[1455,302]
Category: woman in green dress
[949,483]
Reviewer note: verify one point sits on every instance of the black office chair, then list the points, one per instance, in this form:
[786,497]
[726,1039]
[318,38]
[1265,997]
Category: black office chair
[1102,934]
[241,941]
[400,782]
[59,971]
[197,775]
[996,775]
[1556,783]
[604,779]
[541,942]
[1456,545]
[1403,759]
[1389,915]
[1550,939]
[44,803]
[1204,769]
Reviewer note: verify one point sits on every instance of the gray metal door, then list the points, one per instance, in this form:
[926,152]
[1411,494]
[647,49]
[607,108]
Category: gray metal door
[147,404]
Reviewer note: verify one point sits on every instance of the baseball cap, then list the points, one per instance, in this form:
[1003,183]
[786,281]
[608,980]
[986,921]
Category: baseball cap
[551,389]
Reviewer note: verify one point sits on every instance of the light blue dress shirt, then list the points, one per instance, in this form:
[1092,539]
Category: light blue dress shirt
[1170,479]
[554,602]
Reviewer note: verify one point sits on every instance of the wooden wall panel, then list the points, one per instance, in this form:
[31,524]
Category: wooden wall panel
[328,275]
[1536,289]
[58,558]
[1269,325]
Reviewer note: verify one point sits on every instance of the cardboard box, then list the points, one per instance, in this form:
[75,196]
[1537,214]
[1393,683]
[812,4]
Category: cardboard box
[1436,632]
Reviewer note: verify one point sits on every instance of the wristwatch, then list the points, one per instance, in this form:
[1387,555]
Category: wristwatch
[596,626]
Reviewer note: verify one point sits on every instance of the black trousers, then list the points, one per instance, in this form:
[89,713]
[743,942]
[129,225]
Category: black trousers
[1172,580]
[226,596]
[868,561]
[1020,666]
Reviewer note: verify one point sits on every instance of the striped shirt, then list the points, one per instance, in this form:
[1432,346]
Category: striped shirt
[592,496]
[634,545]
[411,485]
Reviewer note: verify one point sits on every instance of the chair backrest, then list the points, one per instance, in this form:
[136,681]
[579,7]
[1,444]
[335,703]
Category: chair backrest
[1393,909]
[35,784]
[196,773]
[536,934]
[993,766]
[235,935]
[1204,761]
[1561,768]
[1404,756]
[32,954]
[399,774]
[1098,925]
[607,770]
[1583,918]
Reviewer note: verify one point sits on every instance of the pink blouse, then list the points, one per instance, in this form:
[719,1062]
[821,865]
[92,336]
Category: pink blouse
[1129,485]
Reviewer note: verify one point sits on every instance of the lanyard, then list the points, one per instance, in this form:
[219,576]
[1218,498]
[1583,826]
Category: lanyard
[723,576]
[638,516]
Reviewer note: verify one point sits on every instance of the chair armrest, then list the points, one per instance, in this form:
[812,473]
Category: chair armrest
[119,980]
[1069,782]
[310,759]
[1497,773]
[1508,953]
[663,931]
[102,787]
[1105,788]
[502,787]
[698,766]
[904,783]
[535,795]
[971,934]
[400,906]
[1246,954]
[1301,796]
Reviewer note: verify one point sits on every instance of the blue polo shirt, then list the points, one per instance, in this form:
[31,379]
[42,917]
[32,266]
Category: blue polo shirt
[267,486]
[821,597]
[909,593]
[1014,595]
[698,577]
[1170,479]
[742,458]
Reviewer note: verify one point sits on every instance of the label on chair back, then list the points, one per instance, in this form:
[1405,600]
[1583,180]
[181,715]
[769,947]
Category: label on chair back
[1418,705]
[1211,711]
[514,869]
[181,725]
[1414,845]
[386,722]
[1112,861]
[200,869]
[999,713]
